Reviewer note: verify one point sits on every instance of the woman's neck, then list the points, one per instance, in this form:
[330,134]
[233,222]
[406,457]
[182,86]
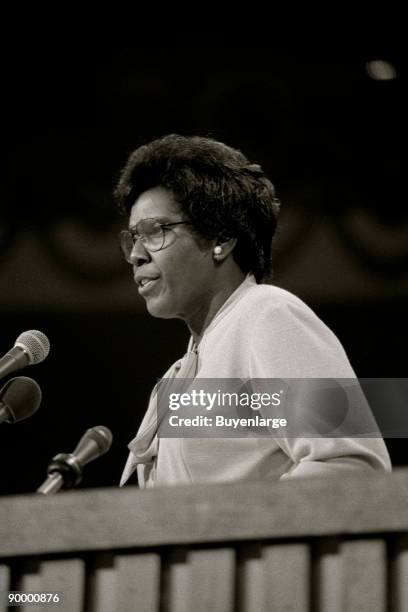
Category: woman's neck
[199,322]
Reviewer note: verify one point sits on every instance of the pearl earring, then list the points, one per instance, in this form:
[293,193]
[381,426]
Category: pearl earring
[217,250]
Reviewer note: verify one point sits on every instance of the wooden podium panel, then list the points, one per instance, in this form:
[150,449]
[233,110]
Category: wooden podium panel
[301,545]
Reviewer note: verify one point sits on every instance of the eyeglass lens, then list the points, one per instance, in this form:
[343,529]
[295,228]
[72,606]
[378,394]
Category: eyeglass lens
[148,231]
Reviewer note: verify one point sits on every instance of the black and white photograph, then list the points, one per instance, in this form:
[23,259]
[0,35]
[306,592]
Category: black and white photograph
[204,297]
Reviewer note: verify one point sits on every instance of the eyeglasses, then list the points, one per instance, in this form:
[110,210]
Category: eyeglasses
[149,231]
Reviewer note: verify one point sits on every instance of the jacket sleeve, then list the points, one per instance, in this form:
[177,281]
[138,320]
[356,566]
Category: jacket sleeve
[288,341]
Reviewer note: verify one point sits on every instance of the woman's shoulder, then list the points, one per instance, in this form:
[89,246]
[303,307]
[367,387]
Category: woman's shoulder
[263,298]
[267,309]
[262,310]
[284,332]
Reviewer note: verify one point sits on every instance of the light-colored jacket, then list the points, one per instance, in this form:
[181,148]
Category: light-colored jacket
[260,332]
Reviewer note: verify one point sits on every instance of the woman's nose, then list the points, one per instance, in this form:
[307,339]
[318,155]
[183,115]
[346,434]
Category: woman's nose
[139,254]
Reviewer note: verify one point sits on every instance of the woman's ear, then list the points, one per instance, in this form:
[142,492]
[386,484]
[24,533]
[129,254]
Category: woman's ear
[222,249]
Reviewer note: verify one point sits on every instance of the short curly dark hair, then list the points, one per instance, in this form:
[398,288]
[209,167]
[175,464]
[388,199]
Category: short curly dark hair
[220,192]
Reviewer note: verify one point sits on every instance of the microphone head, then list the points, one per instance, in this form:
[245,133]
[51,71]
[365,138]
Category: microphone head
[35,344]
[102,436]
[21,396]
[94,443]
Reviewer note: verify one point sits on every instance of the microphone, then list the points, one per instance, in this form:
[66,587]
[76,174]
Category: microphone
[19,398]
[30,347]
[65,470]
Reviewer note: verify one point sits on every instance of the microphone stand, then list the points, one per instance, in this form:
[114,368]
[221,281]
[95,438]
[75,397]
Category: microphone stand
[64,471]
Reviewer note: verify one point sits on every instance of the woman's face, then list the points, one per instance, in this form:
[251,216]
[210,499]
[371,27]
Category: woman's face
[181,275]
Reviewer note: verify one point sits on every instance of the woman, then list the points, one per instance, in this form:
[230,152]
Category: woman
[201,223]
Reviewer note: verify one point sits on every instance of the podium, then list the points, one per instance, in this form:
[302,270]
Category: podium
[306,544]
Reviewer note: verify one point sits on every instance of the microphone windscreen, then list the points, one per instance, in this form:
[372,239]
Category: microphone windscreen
[94,443]
[35,344]
[102,436]
[21,396]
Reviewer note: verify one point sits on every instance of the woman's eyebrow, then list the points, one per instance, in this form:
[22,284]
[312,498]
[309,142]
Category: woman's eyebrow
[160,219]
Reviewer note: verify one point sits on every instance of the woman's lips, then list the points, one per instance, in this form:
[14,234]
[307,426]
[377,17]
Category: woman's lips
[147,286]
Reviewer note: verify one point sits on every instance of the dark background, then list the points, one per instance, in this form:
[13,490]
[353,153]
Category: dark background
[329,135]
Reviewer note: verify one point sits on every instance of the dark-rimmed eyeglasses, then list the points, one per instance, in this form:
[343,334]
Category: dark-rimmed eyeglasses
[150,232]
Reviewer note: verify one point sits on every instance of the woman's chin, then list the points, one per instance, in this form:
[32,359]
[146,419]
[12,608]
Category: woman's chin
[158,309]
